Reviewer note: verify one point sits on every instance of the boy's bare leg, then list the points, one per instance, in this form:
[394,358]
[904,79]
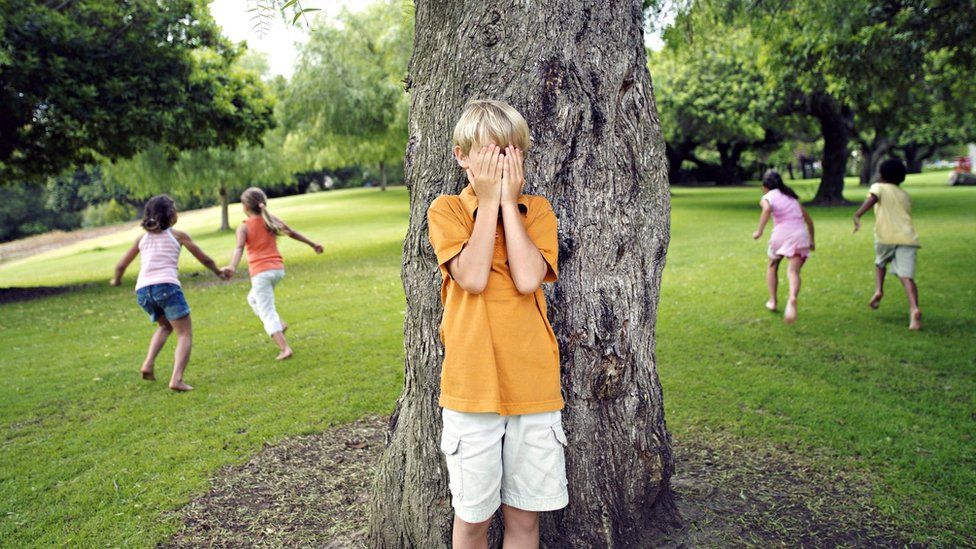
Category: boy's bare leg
[184,341]
[155,345]
[772,280]
[279,338]
[468,535]
[793,273]
[879,278]
[521,528]
[911,290]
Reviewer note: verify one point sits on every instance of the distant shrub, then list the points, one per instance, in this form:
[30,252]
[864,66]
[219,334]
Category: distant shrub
[107,213]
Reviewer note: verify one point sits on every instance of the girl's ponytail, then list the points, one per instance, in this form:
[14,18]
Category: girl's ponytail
[773,181]
[255,200]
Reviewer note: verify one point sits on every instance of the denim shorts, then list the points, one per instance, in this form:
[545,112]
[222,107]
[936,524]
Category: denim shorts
[164,300]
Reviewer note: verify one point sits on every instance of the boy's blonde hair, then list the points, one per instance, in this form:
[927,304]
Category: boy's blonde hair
[485,121]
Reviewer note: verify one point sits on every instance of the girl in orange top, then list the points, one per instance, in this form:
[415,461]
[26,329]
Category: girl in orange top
[258,236]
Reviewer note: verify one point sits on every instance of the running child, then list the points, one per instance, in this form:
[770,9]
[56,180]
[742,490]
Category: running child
[500,387]
[158,289]
[895,239]
[257,235]
[791,238]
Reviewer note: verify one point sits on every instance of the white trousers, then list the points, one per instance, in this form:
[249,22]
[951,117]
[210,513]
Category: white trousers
[262,299]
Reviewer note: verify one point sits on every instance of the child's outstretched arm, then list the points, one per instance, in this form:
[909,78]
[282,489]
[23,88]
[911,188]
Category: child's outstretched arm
[300,237]
[123,263]
[235,259]
[809,221]
[202,257]
[870,201]
[767,210]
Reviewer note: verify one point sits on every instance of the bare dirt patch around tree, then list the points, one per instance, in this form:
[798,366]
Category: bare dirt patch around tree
[313,491]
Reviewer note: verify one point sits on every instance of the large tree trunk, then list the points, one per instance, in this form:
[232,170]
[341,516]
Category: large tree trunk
[224,214]
[835,126]
[872,154]
[577,71]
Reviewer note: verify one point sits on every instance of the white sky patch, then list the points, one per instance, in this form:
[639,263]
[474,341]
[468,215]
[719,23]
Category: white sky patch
[280,44]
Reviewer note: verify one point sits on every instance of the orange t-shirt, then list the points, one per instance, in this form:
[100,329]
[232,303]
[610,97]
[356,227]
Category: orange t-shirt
[500,353]
[261,246]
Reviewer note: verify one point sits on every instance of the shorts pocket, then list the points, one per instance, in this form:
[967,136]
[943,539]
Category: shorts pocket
[451,446]
[559,436]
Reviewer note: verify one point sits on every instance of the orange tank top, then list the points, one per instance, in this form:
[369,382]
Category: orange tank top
[261,246]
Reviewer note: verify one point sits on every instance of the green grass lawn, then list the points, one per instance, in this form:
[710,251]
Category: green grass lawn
[93,456]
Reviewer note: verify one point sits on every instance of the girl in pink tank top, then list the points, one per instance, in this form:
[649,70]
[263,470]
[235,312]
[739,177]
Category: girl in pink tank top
[158,289]
[791,238]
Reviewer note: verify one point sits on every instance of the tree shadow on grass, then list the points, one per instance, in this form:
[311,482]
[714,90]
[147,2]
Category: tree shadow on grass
[16,294]
[313,491]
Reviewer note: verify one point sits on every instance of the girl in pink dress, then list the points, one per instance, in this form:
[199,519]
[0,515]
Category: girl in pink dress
[792,238]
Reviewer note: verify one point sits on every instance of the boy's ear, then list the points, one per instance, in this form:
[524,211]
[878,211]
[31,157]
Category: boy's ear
[461,158]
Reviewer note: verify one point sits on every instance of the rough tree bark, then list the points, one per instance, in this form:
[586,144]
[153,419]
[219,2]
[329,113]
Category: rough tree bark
[577,70]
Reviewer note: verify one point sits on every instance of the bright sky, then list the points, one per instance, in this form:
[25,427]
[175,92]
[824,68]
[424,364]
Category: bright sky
[280,44]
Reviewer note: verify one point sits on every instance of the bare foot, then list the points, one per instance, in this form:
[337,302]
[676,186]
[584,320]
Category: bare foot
[284,354]
[875,300]
[771,305]
[179,386]
[790,315]
[147,374]
[916,320]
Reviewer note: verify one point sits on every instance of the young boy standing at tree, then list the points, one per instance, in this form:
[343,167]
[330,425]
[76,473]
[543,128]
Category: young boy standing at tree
[500,387]
[895,239]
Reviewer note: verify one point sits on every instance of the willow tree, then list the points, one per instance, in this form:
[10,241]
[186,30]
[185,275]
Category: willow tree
[577,71]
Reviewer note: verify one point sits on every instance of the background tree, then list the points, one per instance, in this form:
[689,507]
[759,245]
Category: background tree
[578,72]
[106,78]
[712,92]
[346,102]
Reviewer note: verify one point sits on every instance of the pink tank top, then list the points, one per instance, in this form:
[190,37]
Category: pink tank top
[160,257]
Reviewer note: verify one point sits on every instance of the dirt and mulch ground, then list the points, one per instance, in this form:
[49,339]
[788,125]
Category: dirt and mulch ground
[313,491]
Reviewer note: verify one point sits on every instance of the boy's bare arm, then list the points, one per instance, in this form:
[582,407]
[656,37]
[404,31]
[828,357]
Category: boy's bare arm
[870,201]
[123,263]
[201,256]
[525,261]
[471,267]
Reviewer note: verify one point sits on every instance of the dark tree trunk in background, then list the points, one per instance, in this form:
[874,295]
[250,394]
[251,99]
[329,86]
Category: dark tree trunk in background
[676,155]
[224,214]
[835,127]
[789,168]
[382,176]
[577,71]
[872,154]
[916,154]
[729,155]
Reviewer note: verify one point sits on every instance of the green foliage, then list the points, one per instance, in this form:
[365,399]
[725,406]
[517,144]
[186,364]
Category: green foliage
[106,78]
[24,212]
[107,213]
[346,104]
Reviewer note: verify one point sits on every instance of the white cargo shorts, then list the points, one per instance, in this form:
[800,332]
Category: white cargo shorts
[494,459]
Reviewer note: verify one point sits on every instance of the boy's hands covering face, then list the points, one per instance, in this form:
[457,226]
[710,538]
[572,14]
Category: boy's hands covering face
[513,178]
[485,172]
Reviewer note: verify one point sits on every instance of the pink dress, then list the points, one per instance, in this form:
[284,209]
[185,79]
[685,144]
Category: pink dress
[789,236]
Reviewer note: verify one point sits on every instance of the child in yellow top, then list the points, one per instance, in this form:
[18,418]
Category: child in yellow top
[895,239]
[500,387]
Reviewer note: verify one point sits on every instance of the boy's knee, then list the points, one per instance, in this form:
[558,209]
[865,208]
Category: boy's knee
[522,522]
[471,529]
